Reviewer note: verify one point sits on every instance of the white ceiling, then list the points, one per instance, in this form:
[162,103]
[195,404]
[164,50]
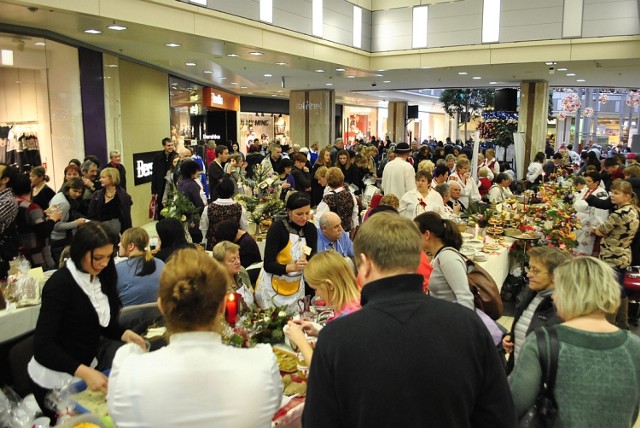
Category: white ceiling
[245,74]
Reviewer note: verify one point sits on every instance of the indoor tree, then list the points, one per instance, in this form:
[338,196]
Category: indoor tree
[463,102]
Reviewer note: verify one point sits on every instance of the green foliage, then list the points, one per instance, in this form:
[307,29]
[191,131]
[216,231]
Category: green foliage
[182,208]
[466,100]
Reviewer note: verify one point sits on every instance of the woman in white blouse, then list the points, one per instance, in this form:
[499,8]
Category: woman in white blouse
[196,381]
[416,202]
[589,217]
[469,192]
[534,172]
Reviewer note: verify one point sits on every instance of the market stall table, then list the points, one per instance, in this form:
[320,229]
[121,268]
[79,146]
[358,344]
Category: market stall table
[18,322]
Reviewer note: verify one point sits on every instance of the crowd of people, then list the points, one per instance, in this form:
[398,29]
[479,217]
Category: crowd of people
[405,346]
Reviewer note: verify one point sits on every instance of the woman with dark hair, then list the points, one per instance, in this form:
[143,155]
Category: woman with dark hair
[348,168]
[227,230]
[317,189]
[139,274]
[79,305]
[589,217]
[190,188]
[442,241]
[223,208]
[111,204]
[254,157]
[34,226]
[196,381]
[171,238]
[71,171]
[67,201]
[290,243]
[41,194]
[535,171]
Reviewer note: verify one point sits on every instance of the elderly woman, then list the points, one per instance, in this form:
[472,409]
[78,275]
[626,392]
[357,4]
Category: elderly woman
[598,364]
[228,254]
[535,308]
[339,199]
[111,204]
[139,273]
[500,191]
[469,188]
[589,217]
[195,381]
[416,202]
[290,243]
[332,279]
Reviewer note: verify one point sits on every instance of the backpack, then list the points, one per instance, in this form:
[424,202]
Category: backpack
[342,204]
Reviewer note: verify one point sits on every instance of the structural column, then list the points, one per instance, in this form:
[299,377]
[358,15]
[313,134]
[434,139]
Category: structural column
[313,117]
[532,117]
[397,121]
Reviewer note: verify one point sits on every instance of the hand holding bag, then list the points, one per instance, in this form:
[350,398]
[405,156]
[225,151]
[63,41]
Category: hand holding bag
[544,412]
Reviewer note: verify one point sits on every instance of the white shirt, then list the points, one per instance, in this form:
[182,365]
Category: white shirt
[194,382]
[398,177]
[534,171]
[498,194]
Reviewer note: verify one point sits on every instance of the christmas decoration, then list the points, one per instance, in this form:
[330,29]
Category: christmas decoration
[571,102]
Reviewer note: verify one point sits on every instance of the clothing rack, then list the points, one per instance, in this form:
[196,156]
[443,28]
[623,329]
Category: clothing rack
[24,122]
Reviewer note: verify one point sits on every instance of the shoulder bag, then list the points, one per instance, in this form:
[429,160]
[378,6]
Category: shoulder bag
[544,412]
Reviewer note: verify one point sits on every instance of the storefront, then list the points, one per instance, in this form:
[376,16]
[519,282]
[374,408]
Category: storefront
[361,123]
[265,119]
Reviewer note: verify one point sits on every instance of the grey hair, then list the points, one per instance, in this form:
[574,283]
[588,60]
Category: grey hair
[86,165]
[324,220]
[443,189]
[113,153]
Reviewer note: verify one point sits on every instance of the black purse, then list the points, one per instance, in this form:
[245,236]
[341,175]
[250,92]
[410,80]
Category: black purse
[544,412]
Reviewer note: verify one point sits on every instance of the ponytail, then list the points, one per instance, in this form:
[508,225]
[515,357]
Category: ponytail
[146,264]
[451,236]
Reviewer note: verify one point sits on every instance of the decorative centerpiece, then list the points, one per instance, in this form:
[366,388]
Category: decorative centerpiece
[258,325]
[261,198]
[181,208]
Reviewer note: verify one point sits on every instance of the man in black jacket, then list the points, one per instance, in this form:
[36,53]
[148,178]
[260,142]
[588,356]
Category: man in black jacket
[405,359]
[161,164]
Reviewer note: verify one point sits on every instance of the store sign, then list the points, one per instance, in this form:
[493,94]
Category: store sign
[216,98]
[143,167]
[309,106]
[211,137]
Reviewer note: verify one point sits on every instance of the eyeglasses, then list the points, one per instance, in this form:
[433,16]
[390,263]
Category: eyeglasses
[534,271]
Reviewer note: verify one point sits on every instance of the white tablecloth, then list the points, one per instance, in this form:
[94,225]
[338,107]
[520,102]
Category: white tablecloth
[18,322]
[498,262]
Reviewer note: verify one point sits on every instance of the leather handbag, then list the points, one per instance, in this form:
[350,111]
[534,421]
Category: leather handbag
[544,412]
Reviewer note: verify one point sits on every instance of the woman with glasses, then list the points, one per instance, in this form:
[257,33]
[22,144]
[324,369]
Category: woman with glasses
[536,306]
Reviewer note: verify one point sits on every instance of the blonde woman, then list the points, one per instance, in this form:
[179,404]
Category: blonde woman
[599,364]
[139,274]
[469,187]
[427,165]
[111,204]
[333,281]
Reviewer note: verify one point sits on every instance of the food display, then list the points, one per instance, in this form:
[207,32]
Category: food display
[86,425]
[495,230]
[287,361]
[93,401]
[294,385]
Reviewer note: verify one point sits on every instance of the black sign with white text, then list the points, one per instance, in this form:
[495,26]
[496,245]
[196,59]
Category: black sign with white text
[143,167]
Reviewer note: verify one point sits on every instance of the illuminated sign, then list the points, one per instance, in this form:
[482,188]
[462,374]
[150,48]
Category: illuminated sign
[309,106]
[143,167]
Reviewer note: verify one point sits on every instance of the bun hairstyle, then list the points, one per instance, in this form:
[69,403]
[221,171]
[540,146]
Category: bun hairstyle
[40,172]
[445,230]
[192,287]
[297,200]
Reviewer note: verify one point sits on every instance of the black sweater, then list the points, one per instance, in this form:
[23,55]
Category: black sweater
[277,239]
[68,331]
[407,360]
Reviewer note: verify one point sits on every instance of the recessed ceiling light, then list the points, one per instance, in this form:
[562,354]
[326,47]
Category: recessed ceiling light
[111,65]
[274,95]
[208,72]
[477,77]
[462,73]
[281,63]
[378,75]
[351,77]
[550,63]
[328,84]
[562,69]
[39,43]
[172,45]
[243,87]
[223,78]
[580,80]
[319,71]
[117,27]
[190,64]
[340,69]
[268,75]
[232,55]
[92,31]
[571,74]
[493,83]
[279,92]
[386,81]
[256,53]
[425,67]
[233,83]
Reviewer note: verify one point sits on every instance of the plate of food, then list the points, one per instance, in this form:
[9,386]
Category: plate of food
[287,361]
[467,251]
[474,243]
[491,247]
[496,230]
[528,235]
[480,257]
[294,385]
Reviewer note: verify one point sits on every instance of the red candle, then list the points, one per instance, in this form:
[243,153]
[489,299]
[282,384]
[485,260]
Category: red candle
[231,313]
